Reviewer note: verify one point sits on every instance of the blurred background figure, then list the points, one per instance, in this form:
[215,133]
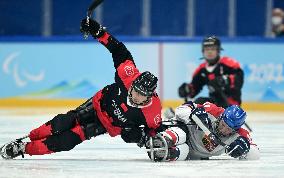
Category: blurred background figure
[277,22]
[221,74]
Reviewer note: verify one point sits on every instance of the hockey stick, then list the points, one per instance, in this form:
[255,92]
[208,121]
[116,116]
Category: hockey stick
[90,12]
[216,140]
[175,123]
[92,7]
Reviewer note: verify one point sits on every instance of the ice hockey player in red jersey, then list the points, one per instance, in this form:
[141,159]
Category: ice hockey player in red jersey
[129,107]
[198,132]
[222,75]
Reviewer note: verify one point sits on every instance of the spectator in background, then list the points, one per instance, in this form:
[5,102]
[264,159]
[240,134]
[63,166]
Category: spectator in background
[277,22]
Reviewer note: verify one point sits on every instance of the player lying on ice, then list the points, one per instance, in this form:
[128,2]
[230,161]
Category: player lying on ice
[118,109]
[198,132]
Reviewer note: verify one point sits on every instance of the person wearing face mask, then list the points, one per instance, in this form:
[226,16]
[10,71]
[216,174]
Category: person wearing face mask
[185,139]
[221,74]
[277,22]
[129,107]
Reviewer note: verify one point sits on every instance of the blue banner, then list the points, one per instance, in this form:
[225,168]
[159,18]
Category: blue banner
[78,70]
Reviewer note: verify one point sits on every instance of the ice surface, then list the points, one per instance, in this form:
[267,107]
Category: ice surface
[110,157]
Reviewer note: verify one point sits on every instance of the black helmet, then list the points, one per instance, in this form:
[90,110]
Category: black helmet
[211,41]
[145,84]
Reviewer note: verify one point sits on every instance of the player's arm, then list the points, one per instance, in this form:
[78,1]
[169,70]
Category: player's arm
[243,147]
[253,153]
[236,80]
[118,50]
[187,111]
[122,58]
[232,82]
[192,89]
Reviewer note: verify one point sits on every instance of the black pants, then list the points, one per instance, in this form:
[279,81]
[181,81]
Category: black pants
[65,131]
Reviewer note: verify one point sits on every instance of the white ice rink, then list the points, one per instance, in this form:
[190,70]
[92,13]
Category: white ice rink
[104,157]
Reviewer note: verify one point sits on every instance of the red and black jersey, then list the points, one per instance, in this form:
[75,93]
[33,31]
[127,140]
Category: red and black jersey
[111,103]
[226,66]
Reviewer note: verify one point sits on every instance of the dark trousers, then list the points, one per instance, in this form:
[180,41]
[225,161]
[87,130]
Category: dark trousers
[65,131]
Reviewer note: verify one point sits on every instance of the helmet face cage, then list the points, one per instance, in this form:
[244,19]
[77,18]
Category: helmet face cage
[218,128]
[137,104]
[145,84]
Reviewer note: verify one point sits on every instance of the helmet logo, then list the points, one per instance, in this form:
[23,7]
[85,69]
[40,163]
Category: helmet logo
[129,70]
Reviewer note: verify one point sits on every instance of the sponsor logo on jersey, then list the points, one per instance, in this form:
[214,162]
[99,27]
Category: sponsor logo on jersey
[209,143]
[119,91]
[117,112]
[158,119]
[129,71]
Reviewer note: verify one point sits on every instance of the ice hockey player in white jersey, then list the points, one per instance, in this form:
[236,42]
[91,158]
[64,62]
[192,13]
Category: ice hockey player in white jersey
[197,132]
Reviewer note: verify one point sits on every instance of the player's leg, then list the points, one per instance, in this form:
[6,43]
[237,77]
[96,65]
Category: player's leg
[87,125]
[64,141]
[61,122]
[58,124]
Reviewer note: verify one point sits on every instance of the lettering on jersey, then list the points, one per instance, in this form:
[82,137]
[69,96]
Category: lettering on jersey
[158,119]
[119,91]
[129,71]
[117,112]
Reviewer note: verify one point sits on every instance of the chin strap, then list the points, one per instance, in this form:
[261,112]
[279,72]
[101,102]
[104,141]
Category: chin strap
[138,105]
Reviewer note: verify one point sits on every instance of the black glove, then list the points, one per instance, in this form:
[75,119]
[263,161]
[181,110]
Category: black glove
[184,90]
[131,135]
[203,116]
[220,83]
[93,27]
[239,147]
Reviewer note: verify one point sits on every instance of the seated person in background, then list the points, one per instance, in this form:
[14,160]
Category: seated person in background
[277,22]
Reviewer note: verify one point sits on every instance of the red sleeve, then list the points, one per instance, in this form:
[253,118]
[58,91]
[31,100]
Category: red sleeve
[230,62]
[243,132]
[201,66]
[127,72]
[152,113]
[212,109]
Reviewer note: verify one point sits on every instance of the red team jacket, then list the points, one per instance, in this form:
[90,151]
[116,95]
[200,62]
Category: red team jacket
[225,66]
[110,103]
